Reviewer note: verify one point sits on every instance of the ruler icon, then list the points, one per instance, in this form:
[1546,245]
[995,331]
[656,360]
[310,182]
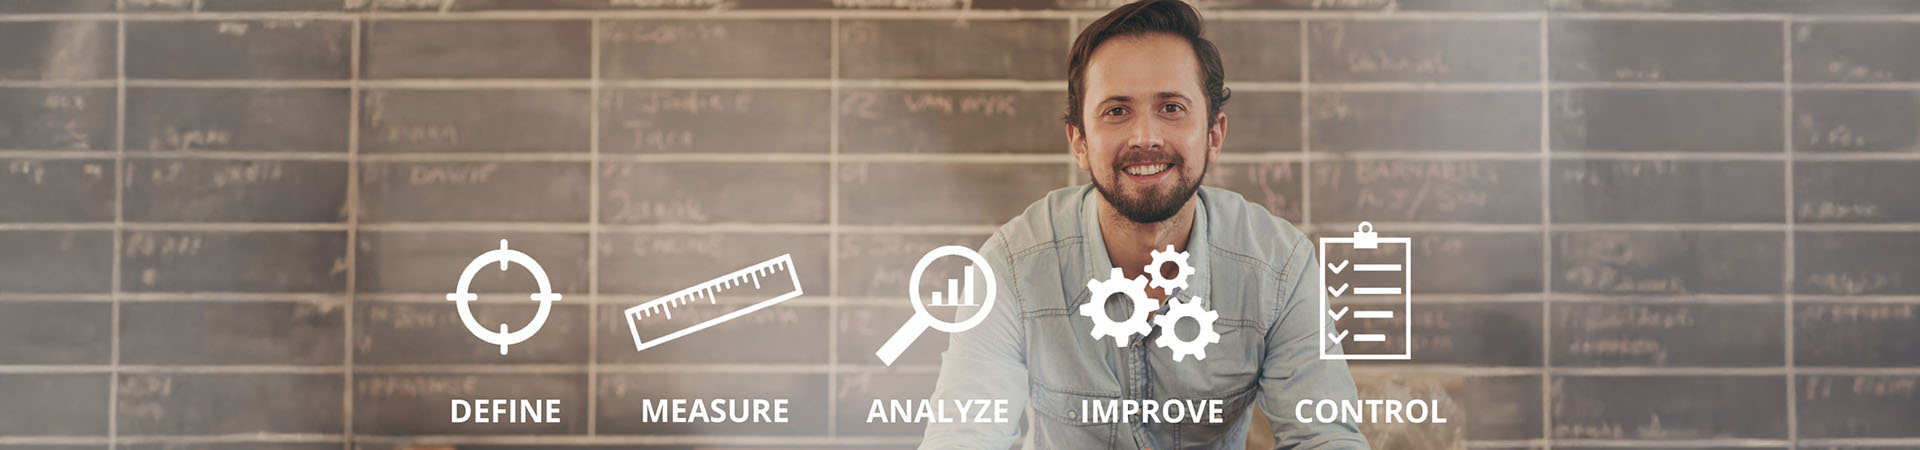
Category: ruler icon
[767,284]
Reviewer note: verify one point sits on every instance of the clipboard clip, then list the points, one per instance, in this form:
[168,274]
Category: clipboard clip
[1365,238]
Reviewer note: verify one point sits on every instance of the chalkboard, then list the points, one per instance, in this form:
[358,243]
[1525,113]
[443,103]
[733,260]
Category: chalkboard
[234,223]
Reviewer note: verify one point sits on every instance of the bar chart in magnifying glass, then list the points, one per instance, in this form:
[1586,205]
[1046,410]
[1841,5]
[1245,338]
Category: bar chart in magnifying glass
[1366,287]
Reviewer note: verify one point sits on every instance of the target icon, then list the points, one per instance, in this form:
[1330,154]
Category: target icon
[465,298]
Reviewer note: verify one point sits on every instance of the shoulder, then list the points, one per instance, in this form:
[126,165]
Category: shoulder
[1249,231]
[1045,222]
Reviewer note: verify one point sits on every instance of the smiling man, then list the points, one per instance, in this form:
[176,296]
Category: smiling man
[1144,120]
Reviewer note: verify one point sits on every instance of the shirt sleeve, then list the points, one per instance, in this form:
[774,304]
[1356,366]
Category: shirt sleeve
[987,362]
[1293,370]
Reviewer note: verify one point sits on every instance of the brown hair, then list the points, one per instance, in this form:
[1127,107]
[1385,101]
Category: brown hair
[1144,17]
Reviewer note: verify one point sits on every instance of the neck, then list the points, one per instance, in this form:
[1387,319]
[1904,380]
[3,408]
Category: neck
[1130,244]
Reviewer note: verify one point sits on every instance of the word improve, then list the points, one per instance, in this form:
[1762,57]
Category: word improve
[1150,411]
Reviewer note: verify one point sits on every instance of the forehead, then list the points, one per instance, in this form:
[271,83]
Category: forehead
[1142,66]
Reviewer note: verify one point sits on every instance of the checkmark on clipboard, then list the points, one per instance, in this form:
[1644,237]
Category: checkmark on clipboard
[1358,290]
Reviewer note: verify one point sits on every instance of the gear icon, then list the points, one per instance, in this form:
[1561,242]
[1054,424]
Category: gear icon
[1179,260]
[1183,310]
[1095,308]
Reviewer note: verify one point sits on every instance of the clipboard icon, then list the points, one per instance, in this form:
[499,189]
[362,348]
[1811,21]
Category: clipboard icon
[1358,289]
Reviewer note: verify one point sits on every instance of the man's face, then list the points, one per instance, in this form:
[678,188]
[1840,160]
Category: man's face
[1146,144]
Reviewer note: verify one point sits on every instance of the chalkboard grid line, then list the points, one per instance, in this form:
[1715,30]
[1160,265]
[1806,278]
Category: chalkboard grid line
[593,234]
[833,222]
[1306,128]
[119,222]
[958,158]
[958,84]
[922,369]
[353,227]
[1786,264]
[971,14]
[1546,230]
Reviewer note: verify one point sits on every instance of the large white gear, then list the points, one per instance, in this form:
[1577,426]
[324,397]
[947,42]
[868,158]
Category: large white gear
[1096,307]
[1181,310]
[1179,280]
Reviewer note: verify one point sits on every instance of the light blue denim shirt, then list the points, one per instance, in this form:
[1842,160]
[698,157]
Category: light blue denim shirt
[1035,350]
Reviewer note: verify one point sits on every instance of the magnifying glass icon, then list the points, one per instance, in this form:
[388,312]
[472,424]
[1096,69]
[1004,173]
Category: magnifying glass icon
[922,320]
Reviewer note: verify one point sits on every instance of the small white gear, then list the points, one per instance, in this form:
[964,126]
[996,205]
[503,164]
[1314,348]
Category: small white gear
[1188,309]
[1179,259]
[1096,307]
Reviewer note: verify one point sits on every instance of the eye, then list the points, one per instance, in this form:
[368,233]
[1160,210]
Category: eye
[1172,108]
[1114,111]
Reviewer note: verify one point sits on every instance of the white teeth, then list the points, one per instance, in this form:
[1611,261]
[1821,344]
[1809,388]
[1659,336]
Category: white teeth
[1147,169]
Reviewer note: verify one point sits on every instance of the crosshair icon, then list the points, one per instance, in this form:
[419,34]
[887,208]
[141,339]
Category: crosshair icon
[503,338]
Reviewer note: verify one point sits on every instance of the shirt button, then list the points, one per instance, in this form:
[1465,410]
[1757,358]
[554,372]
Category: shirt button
[1073,414]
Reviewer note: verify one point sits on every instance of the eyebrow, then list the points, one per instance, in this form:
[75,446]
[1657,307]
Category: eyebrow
[1163,95]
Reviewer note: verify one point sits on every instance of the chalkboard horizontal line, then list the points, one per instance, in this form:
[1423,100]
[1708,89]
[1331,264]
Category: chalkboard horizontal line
[1662,226]
[51,226]
[1856,156]
[1861,227]
[1448,298]
[717,83]
[55,297]
[1620,371]
[179,369]
[318,298]
[1770,86]
[1858,371]
[953,84]
[476,83]
[233,226]
[956,84]
[682,368]
[603,438]
[1861,442]
[74,83]
[1404,228]
[959,14]
[362,367]
[740,228]
[1771,155]
[714,157]
[53,440]
[1383,368]
[1670,443]
[570,155]
[241,155]
[240,83]
[824,368]
[1507,443]
[58,154]
[1061,157]
[1337,155]
[534,227]
[1824,298]
[1563,296]
[284,438]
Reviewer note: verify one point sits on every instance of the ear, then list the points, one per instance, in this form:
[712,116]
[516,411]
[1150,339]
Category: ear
[1216,137]
[1078,141]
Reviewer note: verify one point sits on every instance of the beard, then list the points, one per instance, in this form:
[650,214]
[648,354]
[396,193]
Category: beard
[1154,205]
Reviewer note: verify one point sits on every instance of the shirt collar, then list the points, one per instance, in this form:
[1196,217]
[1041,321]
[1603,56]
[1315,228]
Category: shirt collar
[1099,264]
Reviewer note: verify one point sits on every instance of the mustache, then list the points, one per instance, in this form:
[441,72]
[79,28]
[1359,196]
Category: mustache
[1147,157]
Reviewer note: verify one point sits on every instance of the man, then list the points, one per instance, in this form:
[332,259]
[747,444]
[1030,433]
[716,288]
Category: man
[1144,122]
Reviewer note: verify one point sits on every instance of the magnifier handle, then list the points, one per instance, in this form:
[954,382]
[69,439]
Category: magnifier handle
[898,344]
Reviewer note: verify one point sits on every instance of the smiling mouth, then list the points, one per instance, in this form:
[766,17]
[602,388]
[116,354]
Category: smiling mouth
[1145,170]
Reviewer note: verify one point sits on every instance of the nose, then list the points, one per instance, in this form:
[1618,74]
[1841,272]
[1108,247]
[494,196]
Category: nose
[1146,134]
